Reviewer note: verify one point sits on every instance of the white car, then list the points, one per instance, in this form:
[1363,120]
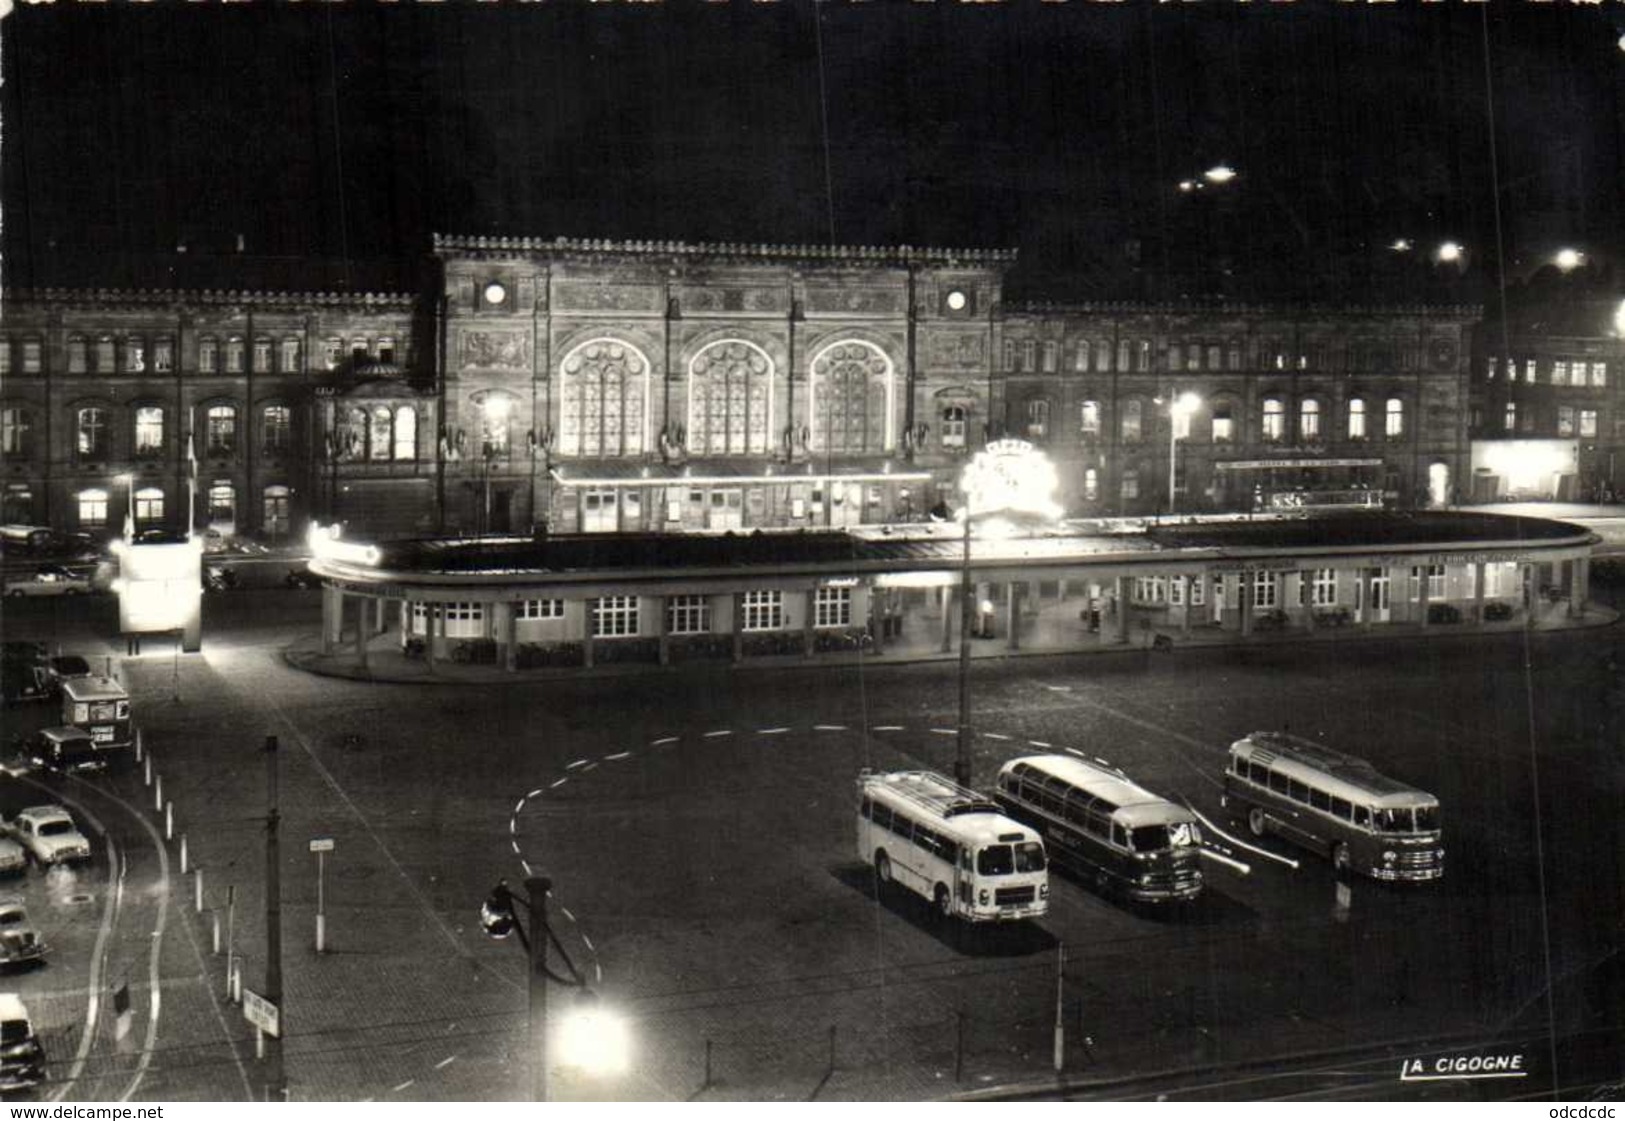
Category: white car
[20,943]
[50,580]
[13,860]
[49,835]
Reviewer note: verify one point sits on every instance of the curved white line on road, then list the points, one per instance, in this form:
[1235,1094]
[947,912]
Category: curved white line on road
[662,742]
[1210,854]
[719,732]
[771,731]
[1240,844]
[887,728]
[98,959]
[617,755]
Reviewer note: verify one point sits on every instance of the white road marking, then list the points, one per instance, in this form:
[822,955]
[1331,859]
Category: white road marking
[446,1062]
[577,763]
[719,732]
[1059,688]
[946,731]
[1039,743]
[829,727]
[402,1086]
[1240,844]
[771,731]
[558,783]
[618,755]
[887,728]
[1076,752]
[995,735]
[663,741]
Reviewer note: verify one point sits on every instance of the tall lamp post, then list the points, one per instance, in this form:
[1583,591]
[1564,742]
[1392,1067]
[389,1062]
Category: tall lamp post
[494,409]
[1010,481]
[1180,410]
[590,1038]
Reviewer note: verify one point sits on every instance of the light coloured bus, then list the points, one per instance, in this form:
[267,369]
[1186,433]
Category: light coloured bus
[952,846]
[1104,827]
[1336,804]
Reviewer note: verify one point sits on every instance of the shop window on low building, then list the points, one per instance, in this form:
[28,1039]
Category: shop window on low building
[1150,589]
[529,609]
[1435,573]
[1266,588]
[1176,590]
[688,614]
[464,620]
[764,611]
[833,607]
[614,615]
[1323,587]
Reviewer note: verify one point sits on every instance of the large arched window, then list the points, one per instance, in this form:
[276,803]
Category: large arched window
[222,501]
[852,399]
[1309,420]
[1357,428]
[730,398]
[1393,420]
[604,387]
[406,433]
[275,510]
[1274,418]
[1132,424]
[380,432]
[276,425]
[221,430]
[92,437]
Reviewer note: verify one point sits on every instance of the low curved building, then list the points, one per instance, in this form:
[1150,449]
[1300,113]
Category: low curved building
[587,600]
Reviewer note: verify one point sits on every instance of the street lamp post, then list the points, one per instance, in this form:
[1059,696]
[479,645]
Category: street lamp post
[962,754]
[592,1040]
[1179,409]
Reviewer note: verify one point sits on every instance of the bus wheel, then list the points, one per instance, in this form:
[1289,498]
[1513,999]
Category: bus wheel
[1340,856]
[1255,821]
[883,870]
[945,903]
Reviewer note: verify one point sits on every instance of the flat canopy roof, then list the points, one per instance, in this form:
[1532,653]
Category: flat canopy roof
[915,547]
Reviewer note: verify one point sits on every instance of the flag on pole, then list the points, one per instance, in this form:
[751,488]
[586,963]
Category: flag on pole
[191,487]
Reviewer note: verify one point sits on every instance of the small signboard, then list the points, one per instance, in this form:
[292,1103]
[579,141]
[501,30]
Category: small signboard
[321,844]
[261,1013]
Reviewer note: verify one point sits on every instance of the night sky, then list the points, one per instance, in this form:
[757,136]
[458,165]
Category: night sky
[333,139]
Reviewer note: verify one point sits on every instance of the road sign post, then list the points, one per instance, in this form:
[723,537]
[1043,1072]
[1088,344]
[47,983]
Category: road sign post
[321,846]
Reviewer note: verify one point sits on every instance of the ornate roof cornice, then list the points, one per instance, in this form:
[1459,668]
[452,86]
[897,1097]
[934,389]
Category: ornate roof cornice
[1115,307]
[212,297]
[730,251]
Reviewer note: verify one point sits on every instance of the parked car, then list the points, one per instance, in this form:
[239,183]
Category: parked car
[20,943]
[22,1059]
[23,681]
[65,667]
[218,578]
[13,860]
[65,750]
[49,834]
[302,577]
[50,580]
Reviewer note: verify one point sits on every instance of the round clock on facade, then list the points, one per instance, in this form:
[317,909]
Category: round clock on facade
[1443,352]
[495,293]
[957,300]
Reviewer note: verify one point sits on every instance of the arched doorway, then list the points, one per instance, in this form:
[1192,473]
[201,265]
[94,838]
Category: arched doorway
[1439,485]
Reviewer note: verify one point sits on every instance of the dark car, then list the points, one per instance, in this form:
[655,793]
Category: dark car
[24,681]
[302,577]
[218,578]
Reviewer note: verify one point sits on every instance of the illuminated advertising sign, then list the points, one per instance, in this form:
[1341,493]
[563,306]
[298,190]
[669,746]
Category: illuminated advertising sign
[160,586]
[1010,477]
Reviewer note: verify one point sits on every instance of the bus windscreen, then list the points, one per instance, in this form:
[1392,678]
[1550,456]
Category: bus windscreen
[1157,838]
[1004,860]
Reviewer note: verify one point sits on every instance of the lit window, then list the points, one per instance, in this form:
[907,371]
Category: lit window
[1037,419]
[1511,421]
[614,615]
[1051,355]
[1265,586]
[14,428]
[208,355]
[234,355]
[92,434]
[1599,375]
[277,512]
[78,356]
[953,426]
[221,430]
[262,355]
[1588,422]
[1560,372]
[1435,582]
[31,356]
[1131,484]
[106,355]
[1029,354]
[92,508]
[149,431]
[149,505]
[1324,587]
[1089,420]
[764,611]
[463,620]
[380,430]
[1491,366]
[1132,422]
[276,423]
[1274,418]
[1224,425]
[1565,420]
[406,434]
[527,609]
[290,356]
[135,355]
[333,350]
[832,607]
[1080,360]
[1143,361]
[163,356]
[1394,418]
[1357,419]
[689,614]
[1309,420]
[1529,370]
[1103,355]
[1091,485]
[222,501]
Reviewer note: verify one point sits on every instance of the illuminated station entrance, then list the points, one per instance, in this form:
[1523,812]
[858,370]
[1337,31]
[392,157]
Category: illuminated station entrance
[590,600]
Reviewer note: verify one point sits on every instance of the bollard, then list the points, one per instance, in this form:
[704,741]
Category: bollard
[158,793]
[197,892]
[138,745]
[183,854]
[147,777]
[215,940]
[169,821]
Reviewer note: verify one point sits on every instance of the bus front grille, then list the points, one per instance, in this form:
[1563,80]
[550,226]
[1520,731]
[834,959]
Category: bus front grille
[1015,896]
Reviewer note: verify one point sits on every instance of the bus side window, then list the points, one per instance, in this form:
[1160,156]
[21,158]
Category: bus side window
[882,816]
[1119,836]
[1362,817]
[1076,813]
[1260,773]
[1238,765]
[1320,800]
[1277,782]
[902,826]
[1341,808]
[866,809]
[1297,791]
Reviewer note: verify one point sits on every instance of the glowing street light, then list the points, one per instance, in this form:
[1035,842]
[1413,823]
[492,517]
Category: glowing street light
[1219,173]
[1567,260]
[1450,253]
[1401,245]
[1619,320]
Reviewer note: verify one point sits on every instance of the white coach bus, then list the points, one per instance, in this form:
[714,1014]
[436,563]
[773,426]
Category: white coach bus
[952,846]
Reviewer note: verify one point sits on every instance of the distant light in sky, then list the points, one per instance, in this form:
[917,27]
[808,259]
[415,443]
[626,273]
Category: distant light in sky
[1220,173]
[1568,259]
[1450,252]
[1401,245]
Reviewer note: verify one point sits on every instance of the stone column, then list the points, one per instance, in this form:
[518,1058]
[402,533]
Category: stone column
[1246,582]
[1123,584]
[433,629]
[1478,594]
[1368,610]
[1582,585]
[877,617]
[362,630]
[807,623]
[1423,599]
[945,597]
[739,628]
[332,617]
[382,620]
[1013,592]
[1210,592]
[665,630]
[1306,599]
